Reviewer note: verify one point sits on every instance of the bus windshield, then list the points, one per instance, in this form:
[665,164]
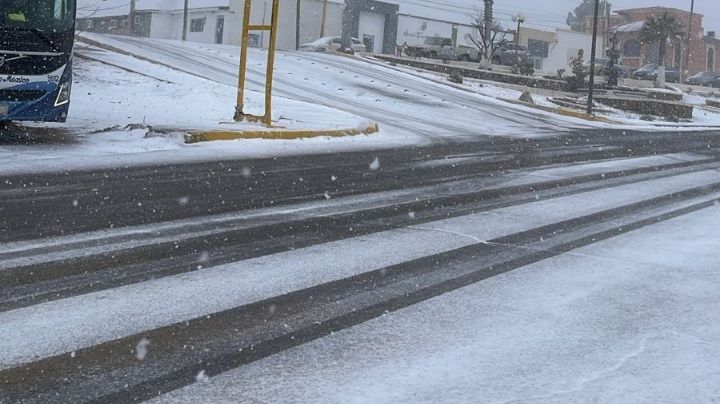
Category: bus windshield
[41,15]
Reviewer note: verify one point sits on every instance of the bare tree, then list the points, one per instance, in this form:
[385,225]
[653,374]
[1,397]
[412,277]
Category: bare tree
[490,36]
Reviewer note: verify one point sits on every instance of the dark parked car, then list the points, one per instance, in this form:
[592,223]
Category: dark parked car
[650,72]
[602,68]
[706,79]
[506,54]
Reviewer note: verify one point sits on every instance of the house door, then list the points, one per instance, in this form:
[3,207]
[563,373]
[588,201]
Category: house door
[219,28]
[372,31]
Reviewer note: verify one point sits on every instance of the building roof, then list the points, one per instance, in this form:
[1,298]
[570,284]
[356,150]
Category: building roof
[655,9]
[636,26]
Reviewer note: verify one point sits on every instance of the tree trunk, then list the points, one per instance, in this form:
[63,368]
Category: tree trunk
[660,81]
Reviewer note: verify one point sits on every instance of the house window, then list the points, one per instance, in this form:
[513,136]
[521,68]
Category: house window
[632,48]
[197,25]
[538,49]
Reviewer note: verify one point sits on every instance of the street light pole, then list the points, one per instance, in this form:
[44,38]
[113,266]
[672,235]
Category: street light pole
[297,24]
[185,21]
[519,19]
[131,23]
[688,42]
[591,83]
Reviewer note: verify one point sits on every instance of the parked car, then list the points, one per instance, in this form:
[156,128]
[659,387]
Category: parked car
[442,48]
[650,72]
[331,44]
[706,79]
[602,69]
[506,54]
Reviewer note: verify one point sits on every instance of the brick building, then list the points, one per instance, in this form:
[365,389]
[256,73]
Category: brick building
[627,24]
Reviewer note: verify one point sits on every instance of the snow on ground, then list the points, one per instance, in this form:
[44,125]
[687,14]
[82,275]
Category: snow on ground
[613,322]
[400,101]
[69,324]
[120,118]
[131,111]
[703,118]
[127,111]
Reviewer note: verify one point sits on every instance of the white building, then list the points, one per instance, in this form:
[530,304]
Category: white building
[414,30]
[310,21]
[380,24]
[207,20]
[552,49]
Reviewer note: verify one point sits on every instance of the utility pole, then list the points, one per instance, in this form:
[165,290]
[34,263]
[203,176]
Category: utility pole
[131,16]
[185,21]
[488,17]
[519,18]
[688,43]
[608,7]
[324,18]
[297,24]
[591,84]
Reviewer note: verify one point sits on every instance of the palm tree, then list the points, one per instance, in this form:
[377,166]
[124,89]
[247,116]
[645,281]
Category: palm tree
[660,29]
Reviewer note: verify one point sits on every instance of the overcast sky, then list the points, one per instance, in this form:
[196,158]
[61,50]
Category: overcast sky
[552,13]
[543,13]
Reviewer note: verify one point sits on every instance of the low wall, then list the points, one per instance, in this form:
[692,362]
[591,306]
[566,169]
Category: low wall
[649,107]
[527,81]
[713,103]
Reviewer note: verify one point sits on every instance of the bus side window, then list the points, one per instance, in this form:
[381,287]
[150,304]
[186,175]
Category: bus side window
[60,9]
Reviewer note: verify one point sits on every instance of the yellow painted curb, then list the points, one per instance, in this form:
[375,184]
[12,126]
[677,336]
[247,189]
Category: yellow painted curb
[583,115]
[286,134]
[563,111]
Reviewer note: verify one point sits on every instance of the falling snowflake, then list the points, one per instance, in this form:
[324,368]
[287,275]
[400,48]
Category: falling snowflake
[246,172]
[412,215]
[204,257]
[141,350]
[202,377]
[375,165]
[183,201]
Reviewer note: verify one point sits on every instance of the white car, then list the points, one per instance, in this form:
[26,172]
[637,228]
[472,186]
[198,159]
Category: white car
[331,44]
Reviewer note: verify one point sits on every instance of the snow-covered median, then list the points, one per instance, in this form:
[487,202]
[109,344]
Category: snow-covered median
[133,112]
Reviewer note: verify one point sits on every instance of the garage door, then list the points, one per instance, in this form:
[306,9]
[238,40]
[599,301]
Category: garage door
[372,31]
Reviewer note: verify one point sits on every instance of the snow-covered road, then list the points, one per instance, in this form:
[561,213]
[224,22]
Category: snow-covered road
[212,294]
[510,255]
[91,319]
[614,322]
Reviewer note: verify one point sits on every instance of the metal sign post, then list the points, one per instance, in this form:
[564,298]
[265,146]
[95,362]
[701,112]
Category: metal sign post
[244,44]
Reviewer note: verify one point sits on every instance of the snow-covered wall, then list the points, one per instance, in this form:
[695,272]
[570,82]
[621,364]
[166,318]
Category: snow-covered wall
[566,48]
[414,30]
[310,17]
[168,25]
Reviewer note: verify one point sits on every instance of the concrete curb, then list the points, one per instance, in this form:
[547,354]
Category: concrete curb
[284,134]
[564,112]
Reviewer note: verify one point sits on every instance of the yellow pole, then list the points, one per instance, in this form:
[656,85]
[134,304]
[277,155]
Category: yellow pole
[244,43]
[271,63]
